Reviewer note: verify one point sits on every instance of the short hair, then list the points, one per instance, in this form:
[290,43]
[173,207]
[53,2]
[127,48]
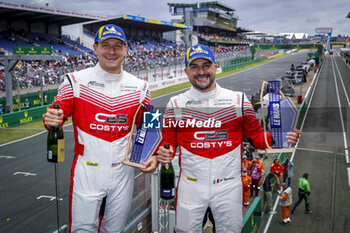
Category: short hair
[306,175]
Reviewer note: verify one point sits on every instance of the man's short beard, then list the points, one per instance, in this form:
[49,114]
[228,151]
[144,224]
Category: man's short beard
[194,84]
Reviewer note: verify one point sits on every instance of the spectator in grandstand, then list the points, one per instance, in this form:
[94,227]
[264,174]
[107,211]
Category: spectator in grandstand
[268,183]
[27,104]
[276,169]
[210,160]
[103,112]
[285,202]
[303,193]
[2,110]
[287,166]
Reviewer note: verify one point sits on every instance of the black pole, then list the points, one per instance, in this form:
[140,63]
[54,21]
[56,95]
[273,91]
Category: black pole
[57,197]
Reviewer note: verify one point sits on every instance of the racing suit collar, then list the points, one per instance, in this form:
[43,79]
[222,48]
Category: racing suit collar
[205,95]
[108,76]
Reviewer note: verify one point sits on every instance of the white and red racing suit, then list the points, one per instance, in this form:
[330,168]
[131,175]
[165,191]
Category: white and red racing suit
[102,106]
[209,129]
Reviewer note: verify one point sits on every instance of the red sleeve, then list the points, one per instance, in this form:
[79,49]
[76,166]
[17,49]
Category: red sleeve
[252,128]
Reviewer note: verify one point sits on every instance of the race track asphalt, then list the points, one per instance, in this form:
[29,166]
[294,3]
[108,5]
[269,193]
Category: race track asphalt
[321,153]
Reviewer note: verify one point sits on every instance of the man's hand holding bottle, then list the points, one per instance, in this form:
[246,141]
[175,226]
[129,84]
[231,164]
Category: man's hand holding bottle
[165,155]
[53,117]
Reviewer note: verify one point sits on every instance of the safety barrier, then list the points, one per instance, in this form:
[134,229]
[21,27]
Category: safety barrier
[252,219]
[34,99]
[23,117]
[242,65]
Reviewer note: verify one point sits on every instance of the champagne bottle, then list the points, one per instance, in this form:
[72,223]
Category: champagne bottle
[55,143]
[167,180]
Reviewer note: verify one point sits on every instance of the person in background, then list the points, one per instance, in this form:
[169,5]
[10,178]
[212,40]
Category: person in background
[267,185]
[303,193]
[262,167]
[248,151]
[285,202]
[245,163]
[27,104]
[246,186]
[255,175]
[276,169]
[287,166]
[292,68]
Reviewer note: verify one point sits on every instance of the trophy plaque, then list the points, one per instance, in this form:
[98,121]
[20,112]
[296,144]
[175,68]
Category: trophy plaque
[282,117]
[144,144]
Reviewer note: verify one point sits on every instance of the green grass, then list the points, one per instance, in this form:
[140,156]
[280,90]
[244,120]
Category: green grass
[15,133]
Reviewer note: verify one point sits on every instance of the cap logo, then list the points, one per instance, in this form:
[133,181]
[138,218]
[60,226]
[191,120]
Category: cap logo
[111,30]
[198,50]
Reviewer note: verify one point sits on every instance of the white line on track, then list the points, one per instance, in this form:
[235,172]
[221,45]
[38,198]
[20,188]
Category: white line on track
[340,112]
[341,79]
[315,78]
[316,150]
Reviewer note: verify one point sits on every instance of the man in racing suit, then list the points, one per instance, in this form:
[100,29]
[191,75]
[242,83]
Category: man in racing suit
[102,102]
[208,124]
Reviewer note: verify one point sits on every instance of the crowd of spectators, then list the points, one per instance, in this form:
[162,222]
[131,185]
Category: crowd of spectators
[154,58]
[226,51]
[27,74]
[223,36]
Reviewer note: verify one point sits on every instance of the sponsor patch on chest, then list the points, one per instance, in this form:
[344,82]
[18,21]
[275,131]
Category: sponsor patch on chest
[94,84]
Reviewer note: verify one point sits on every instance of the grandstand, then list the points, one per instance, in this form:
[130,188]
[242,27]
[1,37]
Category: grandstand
[27,25]
[149,52]
[213,22]
[142,33]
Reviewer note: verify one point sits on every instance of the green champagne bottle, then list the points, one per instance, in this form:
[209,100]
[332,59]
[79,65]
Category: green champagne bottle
[55,143]
[167,180]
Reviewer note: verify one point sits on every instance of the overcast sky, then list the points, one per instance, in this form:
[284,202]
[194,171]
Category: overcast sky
[272,16]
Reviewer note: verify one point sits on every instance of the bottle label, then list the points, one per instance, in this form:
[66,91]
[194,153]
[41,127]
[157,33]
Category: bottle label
[168,192]
[49,154]
[60,150]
